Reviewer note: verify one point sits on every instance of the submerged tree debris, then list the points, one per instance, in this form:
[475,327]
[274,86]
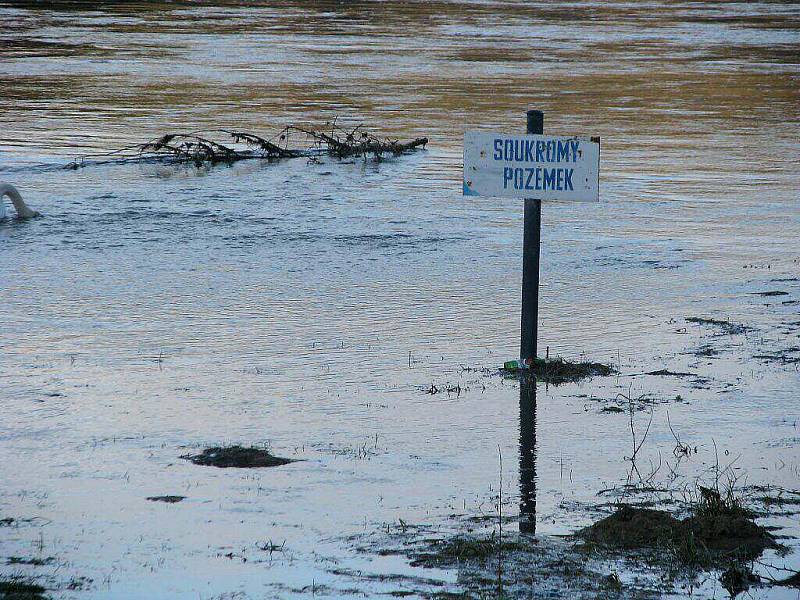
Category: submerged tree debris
[200,148]
[237,456]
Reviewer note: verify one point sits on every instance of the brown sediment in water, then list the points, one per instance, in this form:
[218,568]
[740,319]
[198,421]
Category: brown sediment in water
[238,457]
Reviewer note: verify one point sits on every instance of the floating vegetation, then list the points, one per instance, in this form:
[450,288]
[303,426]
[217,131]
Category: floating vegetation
[557,370]
[200,148]
[236,456]
[167,499]
[726,326]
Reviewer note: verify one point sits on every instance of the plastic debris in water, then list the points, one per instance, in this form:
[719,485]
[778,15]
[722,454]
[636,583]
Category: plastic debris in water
[517,365]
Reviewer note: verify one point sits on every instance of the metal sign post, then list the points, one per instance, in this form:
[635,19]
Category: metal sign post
[534,167]
[531,243]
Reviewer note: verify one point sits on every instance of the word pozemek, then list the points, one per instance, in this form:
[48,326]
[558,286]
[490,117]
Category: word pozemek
[532,166]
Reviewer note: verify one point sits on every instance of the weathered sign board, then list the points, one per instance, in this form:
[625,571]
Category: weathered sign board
[531,166]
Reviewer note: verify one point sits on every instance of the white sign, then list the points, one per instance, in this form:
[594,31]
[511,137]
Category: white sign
[531,166]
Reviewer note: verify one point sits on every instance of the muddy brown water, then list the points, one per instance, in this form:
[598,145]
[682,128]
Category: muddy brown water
[156,311]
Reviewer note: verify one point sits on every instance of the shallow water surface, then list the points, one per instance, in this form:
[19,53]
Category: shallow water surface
[156,309]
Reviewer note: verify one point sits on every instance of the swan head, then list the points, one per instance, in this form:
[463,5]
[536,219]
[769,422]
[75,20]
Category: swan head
[23,211]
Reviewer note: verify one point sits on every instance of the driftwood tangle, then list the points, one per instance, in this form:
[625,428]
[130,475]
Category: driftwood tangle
[198,148]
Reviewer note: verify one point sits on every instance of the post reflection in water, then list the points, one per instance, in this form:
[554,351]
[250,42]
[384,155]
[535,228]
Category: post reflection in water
[527,455]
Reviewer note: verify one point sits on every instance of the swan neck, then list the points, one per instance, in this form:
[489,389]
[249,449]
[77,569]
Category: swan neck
[23,212]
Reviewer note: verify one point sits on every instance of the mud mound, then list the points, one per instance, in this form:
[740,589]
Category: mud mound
[723,532]
[631,527]
[729,533]
[237,457]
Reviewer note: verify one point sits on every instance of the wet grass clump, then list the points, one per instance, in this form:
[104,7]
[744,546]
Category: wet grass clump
[719,529]
[19,588]
[557,370]
[167,499]
[464,548]
[237,457]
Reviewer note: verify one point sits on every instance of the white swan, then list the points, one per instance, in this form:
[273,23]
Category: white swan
[23,212]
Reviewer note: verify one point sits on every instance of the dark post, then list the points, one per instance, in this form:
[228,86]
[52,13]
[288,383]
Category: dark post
[530,259]
[527,455]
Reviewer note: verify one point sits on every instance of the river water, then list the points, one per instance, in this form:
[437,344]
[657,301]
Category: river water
[155,310]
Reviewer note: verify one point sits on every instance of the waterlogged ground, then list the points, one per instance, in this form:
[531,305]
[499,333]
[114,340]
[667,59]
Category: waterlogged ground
[155,311]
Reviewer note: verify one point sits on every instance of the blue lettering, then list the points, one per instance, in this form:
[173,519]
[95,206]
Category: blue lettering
[498,149]
[528,180]
[519,150]
[529,146]
[568,179]
[519,176]
[508,148]
[539,151]
[538,178]
[551,151]
[574,144]
[563,151]
[549,179]
[508,173]
[560,179]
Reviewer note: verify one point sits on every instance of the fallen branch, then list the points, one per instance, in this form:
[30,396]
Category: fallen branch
[199,149]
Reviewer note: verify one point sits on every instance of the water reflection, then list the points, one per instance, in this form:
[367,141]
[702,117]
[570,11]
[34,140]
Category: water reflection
[527,455]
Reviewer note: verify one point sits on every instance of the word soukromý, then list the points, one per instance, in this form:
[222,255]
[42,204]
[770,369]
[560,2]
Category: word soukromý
[537,151]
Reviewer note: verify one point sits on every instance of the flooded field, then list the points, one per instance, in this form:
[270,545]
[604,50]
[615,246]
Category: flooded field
[351,316]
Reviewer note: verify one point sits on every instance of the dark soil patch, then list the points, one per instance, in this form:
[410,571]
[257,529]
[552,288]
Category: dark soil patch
[18,588]
[238,457]
[704,536]
[167,499]
[631,527]
[557,370]
[726,326]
